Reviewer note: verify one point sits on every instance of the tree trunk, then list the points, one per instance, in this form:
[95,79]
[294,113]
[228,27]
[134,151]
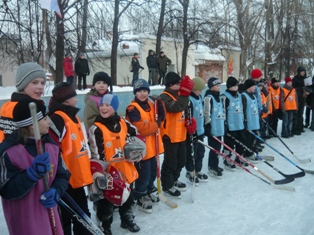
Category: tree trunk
[59,46]
[160,26]
[185,5]
[115,41]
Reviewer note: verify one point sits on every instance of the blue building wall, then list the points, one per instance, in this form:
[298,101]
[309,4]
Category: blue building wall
[125,98]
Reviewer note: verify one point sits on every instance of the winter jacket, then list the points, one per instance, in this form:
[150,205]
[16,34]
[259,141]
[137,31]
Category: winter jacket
[136,65]
[163,62]
[21,195]
[91,109]
[310,98]
[68,67]
[81,66]
[151,60]
[298,82]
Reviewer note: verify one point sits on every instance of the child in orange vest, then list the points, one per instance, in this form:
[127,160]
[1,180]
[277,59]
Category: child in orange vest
[289,107]
[141,113]
[63,113]
[274,91]
[30,82]
[107,137]
[266,105]
[173,131]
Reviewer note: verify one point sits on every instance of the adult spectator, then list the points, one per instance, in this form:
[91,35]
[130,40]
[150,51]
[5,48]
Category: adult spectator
[82,70]
[151,62]
[68,68]
[135,68]
[162,64]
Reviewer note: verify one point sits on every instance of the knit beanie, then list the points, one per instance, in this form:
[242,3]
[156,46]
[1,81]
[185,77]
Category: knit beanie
[248,83]
[171,79]
[63,91]
[139,85]
[288,79]
[112,100]
[102,76]
[232,81]
[26,73]
[274,80]
[213,82]
[256,73]
[199,84]
[22,115]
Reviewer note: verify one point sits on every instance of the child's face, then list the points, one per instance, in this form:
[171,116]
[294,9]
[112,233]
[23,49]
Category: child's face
[71,102]
[252,89]
[141,95]
[234,88]
[35,88]
[197,92]
[216,88]
[106,110]
[260,87]
[44,125]
[302,73]
[101,87]
[289,84]
[175,87]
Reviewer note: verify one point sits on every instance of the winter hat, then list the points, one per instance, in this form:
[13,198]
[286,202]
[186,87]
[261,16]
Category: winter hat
[135,54]
[161,52]
[112,100]
[232,81]
[199,84]
[288,79]
[139,85]
[26,73]
[248,83]
[22,115]
[213,82]
[171,79]
[301,68]
[274,80]
[102,76]
[63,91]
[256,73]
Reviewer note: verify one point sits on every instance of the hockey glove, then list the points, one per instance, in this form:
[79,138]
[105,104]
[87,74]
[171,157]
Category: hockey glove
[50,198]
[40,166]
[186,86]
[190,125]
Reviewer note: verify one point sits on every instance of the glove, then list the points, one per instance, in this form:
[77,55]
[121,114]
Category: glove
[155,97]
[40,166]
[208,130]
[186,86]
[142,67]
[50,198]
[264,109]
[190,125]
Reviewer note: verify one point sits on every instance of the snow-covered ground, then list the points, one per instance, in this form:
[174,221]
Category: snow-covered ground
[238,203]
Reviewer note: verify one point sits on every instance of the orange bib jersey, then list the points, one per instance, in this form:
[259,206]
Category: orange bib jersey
[75,153]
[150,140]
[7,126]
[113,150]
[290,100]
[174,125]
[275,97]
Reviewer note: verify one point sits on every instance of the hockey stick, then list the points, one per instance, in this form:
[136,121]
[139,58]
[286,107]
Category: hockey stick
[160,194]
[283,181]
[262,159]
[275,134]
[81,216]
[303,170]
[33,110]
[283,187]
[193,158]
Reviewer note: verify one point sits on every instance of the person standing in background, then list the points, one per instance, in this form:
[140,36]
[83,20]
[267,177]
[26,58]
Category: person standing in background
[68,68]
[82,70]
[162,64]
[151,62]
[135,68]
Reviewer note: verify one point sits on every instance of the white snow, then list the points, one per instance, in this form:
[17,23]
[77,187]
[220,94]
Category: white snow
[238,203]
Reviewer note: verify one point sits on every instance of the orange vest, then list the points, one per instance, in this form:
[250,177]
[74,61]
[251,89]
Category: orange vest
[174,125]
[290,103]
[275,97]
[75,153]
[7,126]
[266,102]
[113,145]
[150,140]
[270,106]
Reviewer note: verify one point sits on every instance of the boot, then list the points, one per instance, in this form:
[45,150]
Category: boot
[127,222]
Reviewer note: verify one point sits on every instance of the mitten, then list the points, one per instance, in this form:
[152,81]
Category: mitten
[186,86]
[50,198]
[40,166]
[208,130]
[190,125]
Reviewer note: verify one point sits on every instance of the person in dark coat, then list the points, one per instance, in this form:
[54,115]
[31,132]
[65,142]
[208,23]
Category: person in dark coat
[135,68]
[151,62]
[298,85]
[162,63]
[82,70]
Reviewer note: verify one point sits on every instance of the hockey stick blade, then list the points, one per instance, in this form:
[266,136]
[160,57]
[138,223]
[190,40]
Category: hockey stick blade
[302,160]
[308,171]
[283,187]
[169,203]
[284,181]
[269,158]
